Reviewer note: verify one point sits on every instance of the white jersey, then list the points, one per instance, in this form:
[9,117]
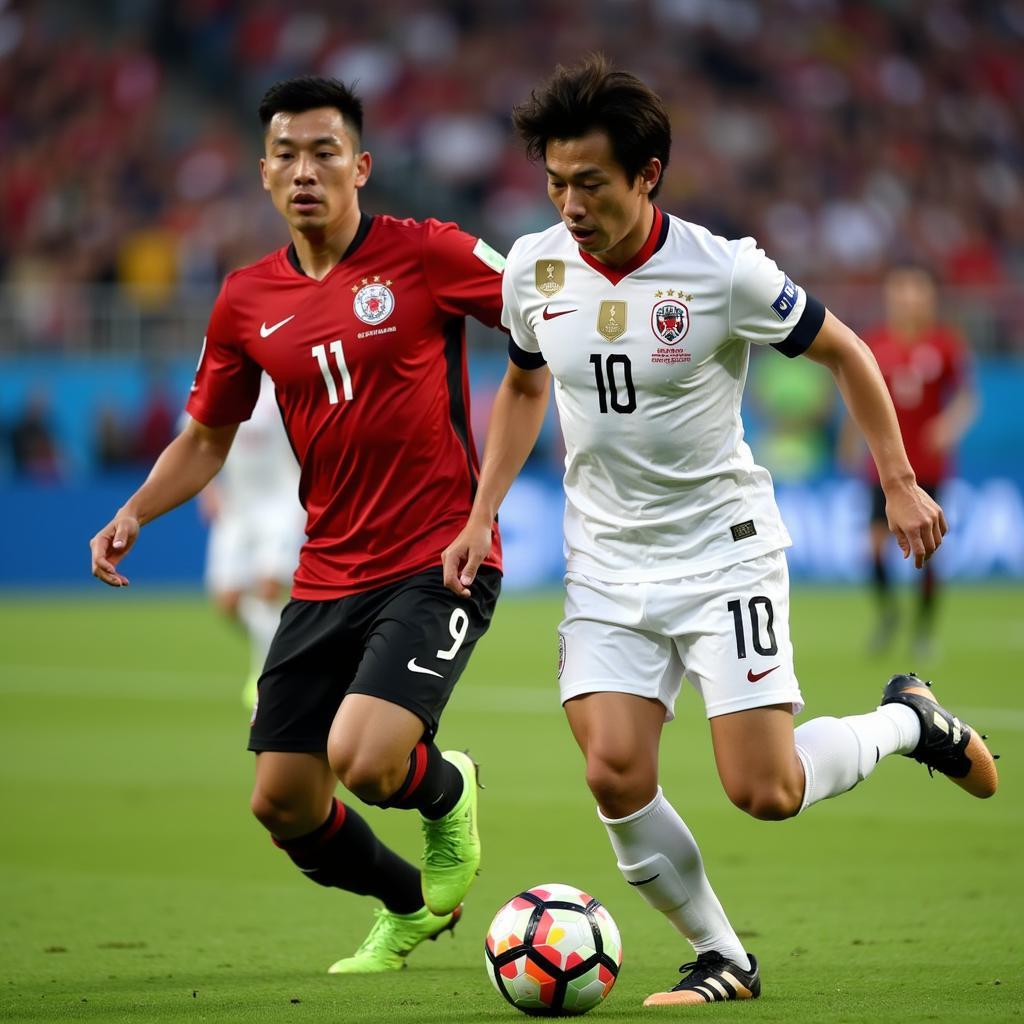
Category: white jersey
[649,362]
[261,467]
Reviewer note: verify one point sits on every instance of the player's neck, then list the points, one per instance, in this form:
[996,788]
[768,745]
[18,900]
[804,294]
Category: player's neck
[623,251]
[320,251]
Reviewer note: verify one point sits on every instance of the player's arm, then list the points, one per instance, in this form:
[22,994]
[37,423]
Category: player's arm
[516,419]
[183,469]
[916,520]
[945,431]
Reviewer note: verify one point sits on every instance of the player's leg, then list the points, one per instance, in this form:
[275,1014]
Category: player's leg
[229,579]
[381,743]
[886,605]
[929,584]
[742,662]
[617,683]
[260,612]
[274,538]
[310,663]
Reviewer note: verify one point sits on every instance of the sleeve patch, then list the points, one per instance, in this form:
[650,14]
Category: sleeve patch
[483,252]
[805,330]
[784,304]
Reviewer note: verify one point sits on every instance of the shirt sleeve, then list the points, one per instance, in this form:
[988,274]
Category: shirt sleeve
[227,381]
[523,347]
[766,307]
[463,272]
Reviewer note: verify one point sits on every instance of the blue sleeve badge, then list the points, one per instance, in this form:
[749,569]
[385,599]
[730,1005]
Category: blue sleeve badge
[784,304]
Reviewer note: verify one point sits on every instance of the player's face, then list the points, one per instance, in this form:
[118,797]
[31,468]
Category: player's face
[607,215]
[910,299]
[313,169]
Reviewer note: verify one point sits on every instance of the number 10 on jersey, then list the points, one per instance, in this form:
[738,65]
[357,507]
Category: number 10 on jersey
[320,354]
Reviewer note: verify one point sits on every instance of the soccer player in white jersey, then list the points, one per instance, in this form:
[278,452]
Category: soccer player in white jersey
[674,544]
[256,530]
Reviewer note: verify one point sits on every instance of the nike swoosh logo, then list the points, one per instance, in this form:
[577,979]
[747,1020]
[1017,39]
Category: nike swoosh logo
[266,332]
[561,312]
[644,881]
[413,667]
[755,677]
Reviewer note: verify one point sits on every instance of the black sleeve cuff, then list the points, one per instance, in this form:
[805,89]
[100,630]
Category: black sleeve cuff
[524,360]
[805,330]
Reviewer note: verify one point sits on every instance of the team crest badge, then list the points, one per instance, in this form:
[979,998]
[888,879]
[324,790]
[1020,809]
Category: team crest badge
[611,320]
[374,301]
[549,276]
[670,321]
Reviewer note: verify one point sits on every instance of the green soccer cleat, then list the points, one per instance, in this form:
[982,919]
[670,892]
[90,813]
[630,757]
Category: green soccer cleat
[392,938]
[250,692]
[451,846]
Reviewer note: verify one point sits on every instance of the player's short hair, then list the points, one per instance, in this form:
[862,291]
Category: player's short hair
[297,95]
[593,95]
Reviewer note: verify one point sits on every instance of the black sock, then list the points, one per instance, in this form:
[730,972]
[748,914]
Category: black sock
[432,786]
[880,576]
[343,853]
[929,593]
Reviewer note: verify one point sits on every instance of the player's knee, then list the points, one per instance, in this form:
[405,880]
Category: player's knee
[619,788]
[227,602]
[268,589]
[767,800]
[364,777]
[278,814]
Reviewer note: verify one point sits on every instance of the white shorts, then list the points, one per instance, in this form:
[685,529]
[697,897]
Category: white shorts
[726,631]
[261,545]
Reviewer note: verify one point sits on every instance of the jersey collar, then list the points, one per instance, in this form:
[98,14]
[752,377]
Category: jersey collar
[365,223]
[655,240]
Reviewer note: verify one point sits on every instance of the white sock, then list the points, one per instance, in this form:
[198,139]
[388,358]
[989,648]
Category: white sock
[658,856]
[837,753]
[260,618]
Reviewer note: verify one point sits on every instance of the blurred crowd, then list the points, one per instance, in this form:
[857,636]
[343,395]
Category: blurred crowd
[841,133]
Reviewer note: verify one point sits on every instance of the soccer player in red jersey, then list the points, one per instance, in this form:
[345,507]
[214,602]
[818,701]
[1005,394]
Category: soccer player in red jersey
[926,368]
[360,323]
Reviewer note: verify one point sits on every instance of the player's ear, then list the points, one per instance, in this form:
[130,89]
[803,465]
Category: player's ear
[650,175]
[263,175]
[364,163]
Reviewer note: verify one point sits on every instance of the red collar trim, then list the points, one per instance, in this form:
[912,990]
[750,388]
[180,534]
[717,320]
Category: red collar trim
[655,240]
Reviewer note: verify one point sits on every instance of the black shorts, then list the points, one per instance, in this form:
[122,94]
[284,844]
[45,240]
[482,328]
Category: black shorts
[878,500]
[407,643]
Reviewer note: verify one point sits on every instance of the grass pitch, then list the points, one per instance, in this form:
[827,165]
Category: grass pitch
[135,886]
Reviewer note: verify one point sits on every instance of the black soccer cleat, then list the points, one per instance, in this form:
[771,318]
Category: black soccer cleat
[712,979]
[947,745]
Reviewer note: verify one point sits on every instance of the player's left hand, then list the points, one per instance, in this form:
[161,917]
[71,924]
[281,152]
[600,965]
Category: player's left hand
[917,522]
[461,559]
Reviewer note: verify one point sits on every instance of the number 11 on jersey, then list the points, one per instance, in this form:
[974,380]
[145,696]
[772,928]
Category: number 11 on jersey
[320,354]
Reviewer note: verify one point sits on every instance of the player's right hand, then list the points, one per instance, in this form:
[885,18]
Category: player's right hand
[461,559]
[110,545]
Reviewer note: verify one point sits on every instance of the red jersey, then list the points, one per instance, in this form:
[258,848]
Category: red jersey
[369,367]
[922,378]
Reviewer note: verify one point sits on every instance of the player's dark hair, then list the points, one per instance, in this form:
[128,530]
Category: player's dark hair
[297,95]
[593,95]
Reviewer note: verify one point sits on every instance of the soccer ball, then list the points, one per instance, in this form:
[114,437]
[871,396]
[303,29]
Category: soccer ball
[553,950]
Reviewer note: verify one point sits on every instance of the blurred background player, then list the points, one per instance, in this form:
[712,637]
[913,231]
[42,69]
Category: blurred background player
[256,530]
[926,367]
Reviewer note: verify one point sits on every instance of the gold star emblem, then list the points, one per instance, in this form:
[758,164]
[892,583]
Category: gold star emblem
[366,280]
[387,283]
[659,294]
[376,278]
